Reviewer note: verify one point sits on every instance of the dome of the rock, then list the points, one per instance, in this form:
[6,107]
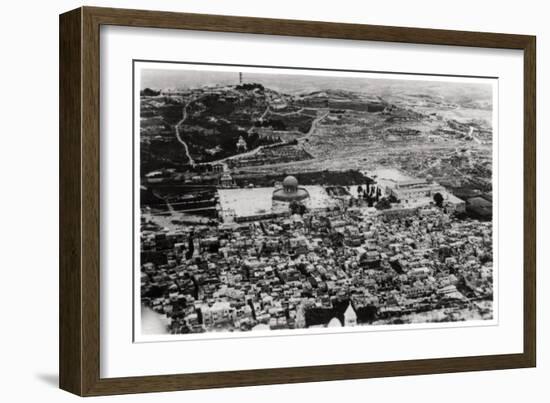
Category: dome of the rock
[290,191]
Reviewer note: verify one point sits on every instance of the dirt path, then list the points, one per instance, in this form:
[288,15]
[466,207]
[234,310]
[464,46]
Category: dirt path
[178,136]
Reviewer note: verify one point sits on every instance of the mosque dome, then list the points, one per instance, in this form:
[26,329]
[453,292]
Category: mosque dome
[290,182]
[290,191]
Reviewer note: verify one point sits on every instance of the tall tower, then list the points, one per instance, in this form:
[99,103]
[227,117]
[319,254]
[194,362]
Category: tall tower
[350,317]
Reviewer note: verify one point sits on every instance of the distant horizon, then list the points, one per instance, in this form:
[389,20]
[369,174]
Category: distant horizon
[163,79]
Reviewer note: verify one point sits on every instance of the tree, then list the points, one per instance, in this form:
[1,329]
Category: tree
[393,199]
[297,208]
[438,199]
[383,204]
[148,92]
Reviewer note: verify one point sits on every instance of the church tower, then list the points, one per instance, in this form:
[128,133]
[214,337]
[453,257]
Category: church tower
[241,144]
[350,317]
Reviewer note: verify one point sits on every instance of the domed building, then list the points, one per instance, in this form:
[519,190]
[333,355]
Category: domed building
[334,322]
[242,204]
[290,191]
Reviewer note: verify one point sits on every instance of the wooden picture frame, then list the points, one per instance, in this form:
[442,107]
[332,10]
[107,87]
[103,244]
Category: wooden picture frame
[79,280]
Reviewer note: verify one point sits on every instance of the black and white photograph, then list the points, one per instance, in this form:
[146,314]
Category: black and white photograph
[246,201]
[270,198]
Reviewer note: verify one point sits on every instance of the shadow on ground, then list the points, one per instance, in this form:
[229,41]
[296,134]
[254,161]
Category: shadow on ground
[49,379]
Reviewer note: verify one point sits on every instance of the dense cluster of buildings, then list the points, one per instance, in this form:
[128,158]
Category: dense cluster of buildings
[337,266]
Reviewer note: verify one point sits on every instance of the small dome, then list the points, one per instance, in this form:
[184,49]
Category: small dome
[334,322]
[290,182]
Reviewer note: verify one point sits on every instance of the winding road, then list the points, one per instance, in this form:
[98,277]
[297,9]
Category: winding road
[313,126]
[178,136]
[263,114]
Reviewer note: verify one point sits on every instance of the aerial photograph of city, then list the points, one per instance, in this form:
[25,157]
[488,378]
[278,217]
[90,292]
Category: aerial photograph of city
[276,198]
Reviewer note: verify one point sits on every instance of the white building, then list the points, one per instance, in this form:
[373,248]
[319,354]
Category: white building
[419,192]
[220,312]
[415,189]
[350,317]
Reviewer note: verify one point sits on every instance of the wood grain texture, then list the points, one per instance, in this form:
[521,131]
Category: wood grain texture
[80,196]
[90,202]
[70,271]
[316,29]
[530,202]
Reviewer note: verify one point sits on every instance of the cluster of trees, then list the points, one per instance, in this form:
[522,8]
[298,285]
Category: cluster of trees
[371,194]
[250,86]
[275,124]
[297,208]
[300,122]
[438,199]
[383,204]
[148,92]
